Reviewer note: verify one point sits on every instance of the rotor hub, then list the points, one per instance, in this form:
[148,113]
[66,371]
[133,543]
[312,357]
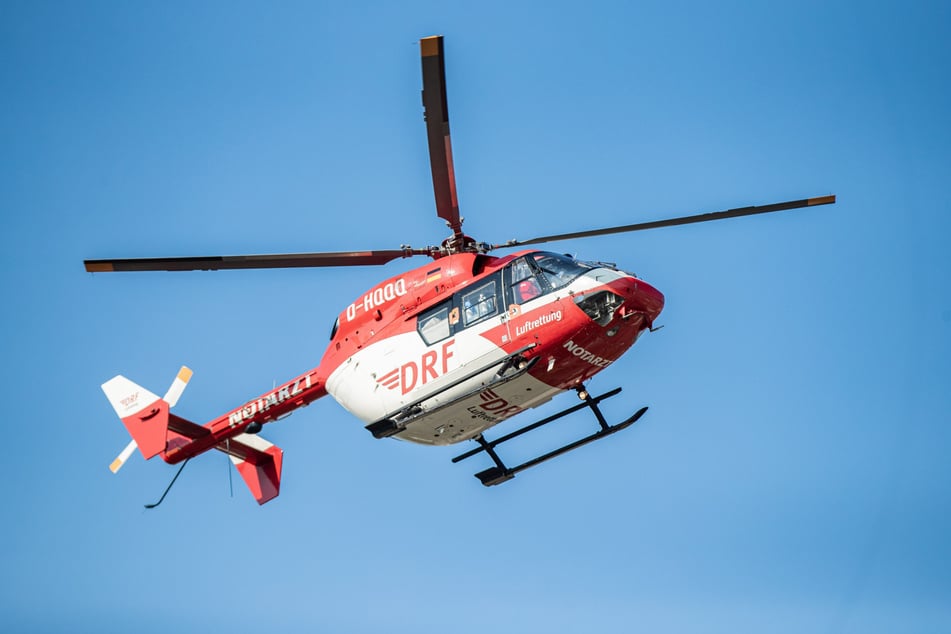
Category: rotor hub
[462,244]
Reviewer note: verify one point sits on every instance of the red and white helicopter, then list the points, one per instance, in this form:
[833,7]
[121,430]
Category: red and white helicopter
[436,355]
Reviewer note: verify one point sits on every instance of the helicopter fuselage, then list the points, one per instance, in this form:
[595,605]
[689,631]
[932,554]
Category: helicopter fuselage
[433,342]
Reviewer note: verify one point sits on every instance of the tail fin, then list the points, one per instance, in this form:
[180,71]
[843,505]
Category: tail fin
[144,414]
[155,430]
[129,399]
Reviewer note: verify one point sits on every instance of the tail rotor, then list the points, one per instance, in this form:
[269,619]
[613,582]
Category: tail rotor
[171,397]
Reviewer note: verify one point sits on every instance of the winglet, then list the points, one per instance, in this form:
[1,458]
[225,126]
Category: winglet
[259,464]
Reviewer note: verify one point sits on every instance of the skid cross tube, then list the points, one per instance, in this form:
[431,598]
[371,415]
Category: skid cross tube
[533,426]
[488,477]
[500,473]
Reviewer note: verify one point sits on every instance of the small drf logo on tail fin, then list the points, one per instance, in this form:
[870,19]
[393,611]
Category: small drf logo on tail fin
[129,401]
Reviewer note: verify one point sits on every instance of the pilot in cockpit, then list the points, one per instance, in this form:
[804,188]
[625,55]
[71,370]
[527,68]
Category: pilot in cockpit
[527,290]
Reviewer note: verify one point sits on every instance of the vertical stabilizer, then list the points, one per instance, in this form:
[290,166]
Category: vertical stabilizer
[143,413]
[259,464]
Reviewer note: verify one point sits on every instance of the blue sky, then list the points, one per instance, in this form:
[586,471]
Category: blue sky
[792,472]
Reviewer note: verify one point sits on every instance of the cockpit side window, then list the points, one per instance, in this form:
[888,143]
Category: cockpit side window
[433,325]
[521,282]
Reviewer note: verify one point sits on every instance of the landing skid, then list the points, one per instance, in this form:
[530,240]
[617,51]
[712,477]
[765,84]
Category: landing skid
[501,473]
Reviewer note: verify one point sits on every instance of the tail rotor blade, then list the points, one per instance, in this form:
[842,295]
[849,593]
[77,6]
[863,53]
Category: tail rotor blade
[178,386]
[122,457]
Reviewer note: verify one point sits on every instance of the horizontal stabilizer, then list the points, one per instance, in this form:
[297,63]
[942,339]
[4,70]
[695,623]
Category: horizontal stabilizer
[259,463]
[187,428]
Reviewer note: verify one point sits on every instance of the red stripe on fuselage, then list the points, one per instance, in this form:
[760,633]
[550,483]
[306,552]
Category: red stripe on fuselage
[571,346]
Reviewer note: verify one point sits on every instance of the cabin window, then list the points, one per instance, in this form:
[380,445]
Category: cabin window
[433,325]
[333,331]
[480,304]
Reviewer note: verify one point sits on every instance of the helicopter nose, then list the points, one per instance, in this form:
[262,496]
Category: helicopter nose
[645,299]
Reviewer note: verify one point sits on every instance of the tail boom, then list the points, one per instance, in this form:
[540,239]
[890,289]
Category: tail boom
[156,431]
[267,408]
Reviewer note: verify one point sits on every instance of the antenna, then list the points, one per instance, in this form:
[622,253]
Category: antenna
[169,488]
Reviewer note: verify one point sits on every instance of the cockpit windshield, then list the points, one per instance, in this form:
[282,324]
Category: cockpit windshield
[560,270]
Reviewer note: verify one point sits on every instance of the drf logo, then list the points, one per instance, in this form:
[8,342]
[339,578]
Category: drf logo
[130,400]
[431,365]
[493,408]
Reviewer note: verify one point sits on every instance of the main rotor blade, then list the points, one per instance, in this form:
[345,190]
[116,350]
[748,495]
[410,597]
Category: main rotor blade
[436,115]
[279,260]
[671,222]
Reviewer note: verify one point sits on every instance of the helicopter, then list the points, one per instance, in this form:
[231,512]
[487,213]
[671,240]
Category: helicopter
[437,355]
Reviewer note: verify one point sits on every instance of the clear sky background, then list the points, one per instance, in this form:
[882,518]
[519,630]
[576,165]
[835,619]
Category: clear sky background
[792,474]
